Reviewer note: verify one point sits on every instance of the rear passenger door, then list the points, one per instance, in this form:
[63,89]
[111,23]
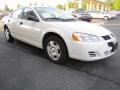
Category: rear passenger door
[14,22]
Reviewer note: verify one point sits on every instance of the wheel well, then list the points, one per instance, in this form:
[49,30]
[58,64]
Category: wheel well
[5,26]
[51,34]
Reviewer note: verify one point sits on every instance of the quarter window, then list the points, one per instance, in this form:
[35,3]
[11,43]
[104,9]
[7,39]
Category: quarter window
[17,14]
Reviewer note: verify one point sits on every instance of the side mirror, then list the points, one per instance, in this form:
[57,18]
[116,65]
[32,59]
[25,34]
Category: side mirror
[32,18]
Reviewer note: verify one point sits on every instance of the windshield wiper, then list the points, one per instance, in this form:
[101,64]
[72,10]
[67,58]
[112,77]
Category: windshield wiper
[62,19]
[55,18]
[69,19]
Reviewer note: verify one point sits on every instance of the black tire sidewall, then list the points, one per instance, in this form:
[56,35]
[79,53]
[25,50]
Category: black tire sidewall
[64,55]
[10,37]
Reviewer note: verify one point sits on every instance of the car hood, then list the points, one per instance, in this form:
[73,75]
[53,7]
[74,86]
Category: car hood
[83,27]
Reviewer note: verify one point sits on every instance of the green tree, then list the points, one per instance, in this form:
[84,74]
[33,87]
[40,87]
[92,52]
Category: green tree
[110,1]
[84,6]
[11,10]
[18,6]
[116,5]
[59,6]
[73,4]
[6,8]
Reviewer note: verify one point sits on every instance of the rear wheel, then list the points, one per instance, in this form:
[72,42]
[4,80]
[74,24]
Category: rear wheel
[106,18]
[7,34]
[56,50]
[89,20]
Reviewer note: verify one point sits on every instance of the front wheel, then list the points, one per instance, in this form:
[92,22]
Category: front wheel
[56,50]
[7,34]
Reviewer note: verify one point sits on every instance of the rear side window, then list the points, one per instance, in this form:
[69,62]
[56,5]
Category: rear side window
[17,14]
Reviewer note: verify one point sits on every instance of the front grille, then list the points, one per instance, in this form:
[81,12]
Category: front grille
[92,54]
[107,37]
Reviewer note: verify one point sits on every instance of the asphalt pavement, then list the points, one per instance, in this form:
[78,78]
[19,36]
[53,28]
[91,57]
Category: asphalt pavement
[24,67]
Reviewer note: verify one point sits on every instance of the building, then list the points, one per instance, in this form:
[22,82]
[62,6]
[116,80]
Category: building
[93,5]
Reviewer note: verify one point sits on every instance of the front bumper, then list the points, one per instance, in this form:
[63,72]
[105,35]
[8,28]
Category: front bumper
[92,50]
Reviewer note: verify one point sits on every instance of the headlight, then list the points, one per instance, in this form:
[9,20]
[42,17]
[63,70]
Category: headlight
[85,37]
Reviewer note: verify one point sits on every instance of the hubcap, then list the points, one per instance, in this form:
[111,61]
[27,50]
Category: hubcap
[53,50]
[7,34]
[106,18]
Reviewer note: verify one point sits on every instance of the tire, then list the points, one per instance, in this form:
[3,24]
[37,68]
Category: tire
[88,20]
[7,34]
[106,18]
[56,50]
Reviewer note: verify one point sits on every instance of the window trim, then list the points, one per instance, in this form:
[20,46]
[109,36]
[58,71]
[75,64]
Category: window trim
[33,11]
[14,12]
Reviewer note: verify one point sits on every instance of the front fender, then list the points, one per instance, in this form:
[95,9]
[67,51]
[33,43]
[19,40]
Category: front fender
[66,36]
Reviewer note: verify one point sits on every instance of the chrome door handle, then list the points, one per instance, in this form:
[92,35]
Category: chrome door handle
[21,23]
[8,20]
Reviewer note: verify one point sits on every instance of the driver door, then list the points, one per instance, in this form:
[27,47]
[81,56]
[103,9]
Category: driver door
[30,29]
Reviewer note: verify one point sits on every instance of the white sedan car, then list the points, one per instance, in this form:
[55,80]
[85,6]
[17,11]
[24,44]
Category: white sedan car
[101,15]
[59,34]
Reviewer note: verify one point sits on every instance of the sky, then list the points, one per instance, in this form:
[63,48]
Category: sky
[12,4]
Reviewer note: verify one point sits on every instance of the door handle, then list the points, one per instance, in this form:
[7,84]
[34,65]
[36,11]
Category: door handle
[21,23]
[8,20]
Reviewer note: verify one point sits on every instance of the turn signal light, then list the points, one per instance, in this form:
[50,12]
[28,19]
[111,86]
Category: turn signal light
[75,37]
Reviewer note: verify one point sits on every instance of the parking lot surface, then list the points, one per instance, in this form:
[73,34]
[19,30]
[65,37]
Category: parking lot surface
[24,67]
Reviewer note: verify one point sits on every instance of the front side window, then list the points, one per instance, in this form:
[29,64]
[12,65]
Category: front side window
[28,12]
[17,14]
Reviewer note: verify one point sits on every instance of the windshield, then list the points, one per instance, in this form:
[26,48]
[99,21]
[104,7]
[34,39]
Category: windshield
[80,11]
[48,14]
